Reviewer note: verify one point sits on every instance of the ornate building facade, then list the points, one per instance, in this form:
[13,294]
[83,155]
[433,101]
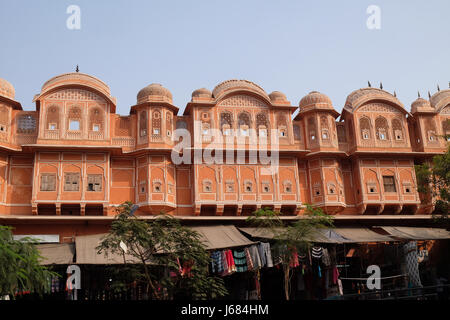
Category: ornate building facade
[74,160]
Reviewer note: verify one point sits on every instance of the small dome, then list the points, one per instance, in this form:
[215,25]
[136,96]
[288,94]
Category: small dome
[6,89]
[277,96]
[421,104]
[202,93]
[316,99]
[154,92]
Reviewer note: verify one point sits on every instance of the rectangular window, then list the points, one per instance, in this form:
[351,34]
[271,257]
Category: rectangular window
[94,182]
[96,127]
[52,126]
[71,181]
[74,125]
[48,182]
[389,184]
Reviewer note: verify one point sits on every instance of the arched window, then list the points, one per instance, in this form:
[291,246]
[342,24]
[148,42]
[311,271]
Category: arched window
[287,186]
[282,125]
[262,124]
[364,126]
[382,128]
[312,130]
[397,129]
[4,118]
[26,124]
[96,122]
[169,123]
[324,127]
[74,119]
[207,185]
[226,123]
[430,130]
[446,129]
[156,123]
[52,118]
[248,186]
[143,123]
[244,124]
[297,132]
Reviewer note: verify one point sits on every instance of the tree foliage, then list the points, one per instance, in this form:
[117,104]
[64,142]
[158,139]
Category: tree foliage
[434,182]
[20,268]
[294,237]
[162,245]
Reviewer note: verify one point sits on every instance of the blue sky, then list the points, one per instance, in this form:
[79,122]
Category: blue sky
[291,46]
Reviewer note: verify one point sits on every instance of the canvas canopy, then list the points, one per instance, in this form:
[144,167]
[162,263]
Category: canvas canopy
[87,252]
[328,235]
[415,233]
[214,237]
[221,236]
[362,235]
[56,253]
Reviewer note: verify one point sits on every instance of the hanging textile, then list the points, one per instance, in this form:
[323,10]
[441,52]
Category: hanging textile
[326,260]
[216,262]
[249,259]
[254,254]
[240,260]
[230,262]
[412,263]
[294,258]
[224,262]
[265,254]
[317,252]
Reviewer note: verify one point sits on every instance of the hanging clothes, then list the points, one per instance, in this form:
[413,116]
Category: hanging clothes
[265,254]
[412,263]
[224,263]
[230,262]
[335,275]
[240,260]
[216,262]
[248,257]
[254,254]
[326,260]
[294,259]
[317,252]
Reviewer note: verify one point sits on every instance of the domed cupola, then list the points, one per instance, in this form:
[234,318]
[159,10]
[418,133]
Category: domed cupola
[7,89]
[154,92]
[315,100]
[421,105]
[277,97]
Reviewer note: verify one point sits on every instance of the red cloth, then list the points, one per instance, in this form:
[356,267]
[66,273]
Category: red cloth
[335,275]
[294,259]
[230,261]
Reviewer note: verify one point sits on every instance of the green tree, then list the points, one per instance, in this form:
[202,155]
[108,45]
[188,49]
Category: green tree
[20,268]
[297,236]
[163,243]
[433,181]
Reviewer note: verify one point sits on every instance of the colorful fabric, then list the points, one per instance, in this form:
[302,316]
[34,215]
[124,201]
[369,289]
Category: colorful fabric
[294,259]
[335,275]
[248,257]
[230,261]
[216,262]
[240,260]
